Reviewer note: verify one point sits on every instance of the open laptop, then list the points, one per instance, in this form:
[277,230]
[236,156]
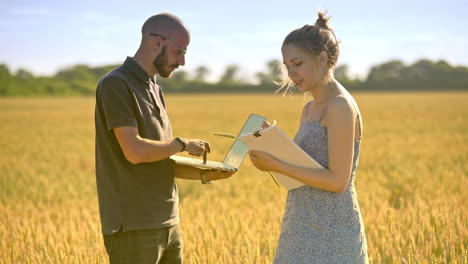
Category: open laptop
[235,155]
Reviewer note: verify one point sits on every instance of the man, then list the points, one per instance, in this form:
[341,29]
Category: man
[138,199]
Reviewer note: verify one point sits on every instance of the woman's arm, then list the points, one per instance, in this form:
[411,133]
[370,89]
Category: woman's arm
[341,119]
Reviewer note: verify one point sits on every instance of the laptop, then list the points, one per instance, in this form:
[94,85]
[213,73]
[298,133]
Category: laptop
[235,155]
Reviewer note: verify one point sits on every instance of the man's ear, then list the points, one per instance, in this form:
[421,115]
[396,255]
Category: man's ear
[158,43]
[158,47]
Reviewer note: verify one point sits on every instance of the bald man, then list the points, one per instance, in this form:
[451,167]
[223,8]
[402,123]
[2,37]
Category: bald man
[138,199]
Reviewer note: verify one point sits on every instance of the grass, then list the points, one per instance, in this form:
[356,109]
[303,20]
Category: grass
[411,180]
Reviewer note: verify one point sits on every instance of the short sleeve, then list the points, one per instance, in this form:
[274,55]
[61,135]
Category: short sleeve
[116,103]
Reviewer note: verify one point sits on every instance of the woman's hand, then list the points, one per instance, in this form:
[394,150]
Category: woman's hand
[263,161]
[267,124]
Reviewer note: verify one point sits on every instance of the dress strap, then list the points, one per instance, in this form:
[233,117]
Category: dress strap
[358,119]
[307,108]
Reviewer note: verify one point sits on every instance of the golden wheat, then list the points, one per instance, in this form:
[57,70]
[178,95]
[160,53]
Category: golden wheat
[411,180]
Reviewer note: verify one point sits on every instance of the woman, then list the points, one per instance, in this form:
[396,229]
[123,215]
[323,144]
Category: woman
[322,222]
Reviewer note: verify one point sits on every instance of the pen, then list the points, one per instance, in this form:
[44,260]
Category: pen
[205,153]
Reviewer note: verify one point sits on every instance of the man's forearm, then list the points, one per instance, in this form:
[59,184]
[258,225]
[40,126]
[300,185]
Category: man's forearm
[138,150]
[147,150]
[191,173]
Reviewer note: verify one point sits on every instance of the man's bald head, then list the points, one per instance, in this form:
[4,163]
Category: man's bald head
[165,24]
[164,42]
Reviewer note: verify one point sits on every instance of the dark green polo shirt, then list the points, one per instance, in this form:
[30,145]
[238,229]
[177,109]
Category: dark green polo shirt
[141,196]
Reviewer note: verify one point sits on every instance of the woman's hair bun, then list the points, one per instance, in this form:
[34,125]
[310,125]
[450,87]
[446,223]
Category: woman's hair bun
[322,20]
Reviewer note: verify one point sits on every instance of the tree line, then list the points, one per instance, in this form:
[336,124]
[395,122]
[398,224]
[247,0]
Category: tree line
[392,75]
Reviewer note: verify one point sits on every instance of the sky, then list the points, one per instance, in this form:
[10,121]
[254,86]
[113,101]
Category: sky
[48,35]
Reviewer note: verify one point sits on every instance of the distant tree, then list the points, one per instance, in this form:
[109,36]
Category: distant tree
[341,73]
[436,75]
[200,73]
[5,79]
[263,78]
[99,72]
[82,79]
[274,70]
[460,73]
[230,74]
[4,72]
[420,70]
[387,71]
[443,66]
[272,75]
[22,83]
[179,76]
[23,74]
[178,81]
[77,72]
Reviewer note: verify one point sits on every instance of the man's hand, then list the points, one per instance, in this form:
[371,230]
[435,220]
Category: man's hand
[196,147]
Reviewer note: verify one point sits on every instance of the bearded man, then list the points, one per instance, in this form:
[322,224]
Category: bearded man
[138,197]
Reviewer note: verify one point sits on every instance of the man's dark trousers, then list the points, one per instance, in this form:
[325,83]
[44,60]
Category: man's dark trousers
[146,246]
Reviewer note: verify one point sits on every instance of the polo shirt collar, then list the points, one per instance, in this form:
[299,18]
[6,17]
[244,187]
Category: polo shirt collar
[138,71]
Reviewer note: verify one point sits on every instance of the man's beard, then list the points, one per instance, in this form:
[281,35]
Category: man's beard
[161,63]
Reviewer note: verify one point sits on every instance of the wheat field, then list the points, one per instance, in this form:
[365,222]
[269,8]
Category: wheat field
[411,180]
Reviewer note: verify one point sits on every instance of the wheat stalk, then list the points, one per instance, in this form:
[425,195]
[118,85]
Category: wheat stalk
[220,134]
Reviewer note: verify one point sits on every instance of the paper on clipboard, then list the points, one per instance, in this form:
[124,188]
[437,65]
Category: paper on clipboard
[275,142]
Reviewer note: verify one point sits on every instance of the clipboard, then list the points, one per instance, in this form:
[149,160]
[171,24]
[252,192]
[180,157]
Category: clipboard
[275,142]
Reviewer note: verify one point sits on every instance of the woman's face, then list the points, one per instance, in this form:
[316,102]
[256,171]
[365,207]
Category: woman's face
[303,68]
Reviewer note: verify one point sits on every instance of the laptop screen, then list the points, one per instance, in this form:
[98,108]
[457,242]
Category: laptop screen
[239,149]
